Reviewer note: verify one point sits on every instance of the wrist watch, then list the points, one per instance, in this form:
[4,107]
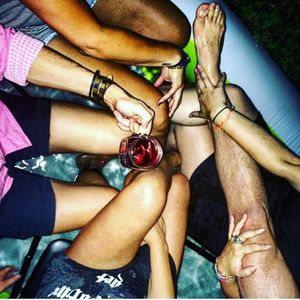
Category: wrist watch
[185,59]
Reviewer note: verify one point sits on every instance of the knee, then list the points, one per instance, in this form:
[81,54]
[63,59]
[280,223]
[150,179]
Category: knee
[241,101]
[161,121]
[151,193]
[178,31]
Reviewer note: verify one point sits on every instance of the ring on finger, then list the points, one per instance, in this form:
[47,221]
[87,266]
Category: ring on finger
[236,239]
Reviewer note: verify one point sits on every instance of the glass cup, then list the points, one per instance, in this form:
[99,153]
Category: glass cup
[140,152]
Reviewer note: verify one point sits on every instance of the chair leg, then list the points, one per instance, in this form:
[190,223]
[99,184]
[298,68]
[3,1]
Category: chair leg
[17,289]
[200,250]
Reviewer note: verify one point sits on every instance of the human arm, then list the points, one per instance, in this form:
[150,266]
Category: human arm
[160,282]
[7,278]
[263,147]
[93,38]
[229,264]
[51,69]
[24,59]
[77,23]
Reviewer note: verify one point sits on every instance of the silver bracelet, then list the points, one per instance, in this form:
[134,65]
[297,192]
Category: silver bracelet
[222,277]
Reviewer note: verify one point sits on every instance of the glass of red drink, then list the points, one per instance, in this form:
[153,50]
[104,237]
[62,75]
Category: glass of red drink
[140,152]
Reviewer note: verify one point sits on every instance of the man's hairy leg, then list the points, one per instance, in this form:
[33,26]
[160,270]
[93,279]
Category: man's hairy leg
[245,193]
[170,24]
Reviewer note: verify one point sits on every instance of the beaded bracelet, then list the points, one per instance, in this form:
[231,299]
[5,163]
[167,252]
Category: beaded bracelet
[222,277]
[184,60]
[98,88]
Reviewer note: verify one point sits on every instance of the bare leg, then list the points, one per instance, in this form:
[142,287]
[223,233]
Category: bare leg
[185,129]
[77,204]
[245,193]
[155,19]
[119,228]
[75,128]
[175,216]
[238,170]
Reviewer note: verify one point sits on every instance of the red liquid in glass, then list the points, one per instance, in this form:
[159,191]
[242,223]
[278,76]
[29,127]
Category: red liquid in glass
[140,152]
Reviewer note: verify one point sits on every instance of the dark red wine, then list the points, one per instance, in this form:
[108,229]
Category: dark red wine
[140,152]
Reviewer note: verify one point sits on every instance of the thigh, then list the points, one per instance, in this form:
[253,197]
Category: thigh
[195,144]
[175,216]
[118,229]
[75,128]
[76,204]
[157,19]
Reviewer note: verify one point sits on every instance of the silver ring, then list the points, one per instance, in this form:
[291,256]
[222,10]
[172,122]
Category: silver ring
[236,239]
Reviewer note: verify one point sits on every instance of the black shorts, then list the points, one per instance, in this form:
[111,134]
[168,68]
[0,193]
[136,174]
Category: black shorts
[28,208]
[64,276]
[208,217]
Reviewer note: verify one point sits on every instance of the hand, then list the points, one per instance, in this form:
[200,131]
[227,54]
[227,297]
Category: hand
[131,114]
[5,278]
[173,96]
[157,233]
[211,98]
[230,261]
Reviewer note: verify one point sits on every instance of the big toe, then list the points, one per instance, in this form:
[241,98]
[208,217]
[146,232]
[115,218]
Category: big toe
[202,11]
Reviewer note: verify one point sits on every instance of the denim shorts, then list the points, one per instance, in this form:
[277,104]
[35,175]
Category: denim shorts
[28,208]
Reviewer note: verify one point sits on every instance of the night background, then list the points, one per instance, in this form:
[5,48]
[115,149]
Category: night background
[276,26]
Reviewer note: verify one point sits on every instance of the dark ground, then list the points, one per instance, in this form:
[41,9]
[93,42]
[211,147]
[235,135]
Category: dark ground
[276,26]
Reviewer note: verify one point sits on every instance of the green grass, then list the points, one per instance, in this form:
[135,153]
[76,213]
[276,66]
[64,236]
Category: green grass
[276,26]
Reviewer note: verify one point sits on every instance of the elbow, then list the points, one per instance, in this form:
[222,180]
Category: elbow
[92,46]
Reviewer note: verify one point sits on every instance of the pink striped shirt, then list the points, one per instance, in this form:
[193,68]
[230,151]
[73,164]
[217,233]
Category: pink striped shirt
[17,53]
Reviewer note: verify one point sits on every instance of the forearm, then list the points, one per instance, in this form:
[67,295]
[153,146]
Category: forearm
[129,48]
[160,282]
[263,148]
[50,69]
[95,39]
[231,289]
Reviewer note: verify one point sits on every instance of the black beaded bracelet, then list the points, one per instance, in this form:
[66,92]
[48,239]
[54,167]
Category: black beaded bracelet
[184,61]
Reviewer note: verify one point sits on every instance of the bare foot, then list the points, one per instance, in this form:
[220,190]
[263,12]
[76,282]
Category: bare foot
[208,31]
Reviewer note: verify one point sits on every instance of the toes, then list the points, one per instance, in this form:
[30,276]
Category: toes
[211,12]
[217,13]
[202,10]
